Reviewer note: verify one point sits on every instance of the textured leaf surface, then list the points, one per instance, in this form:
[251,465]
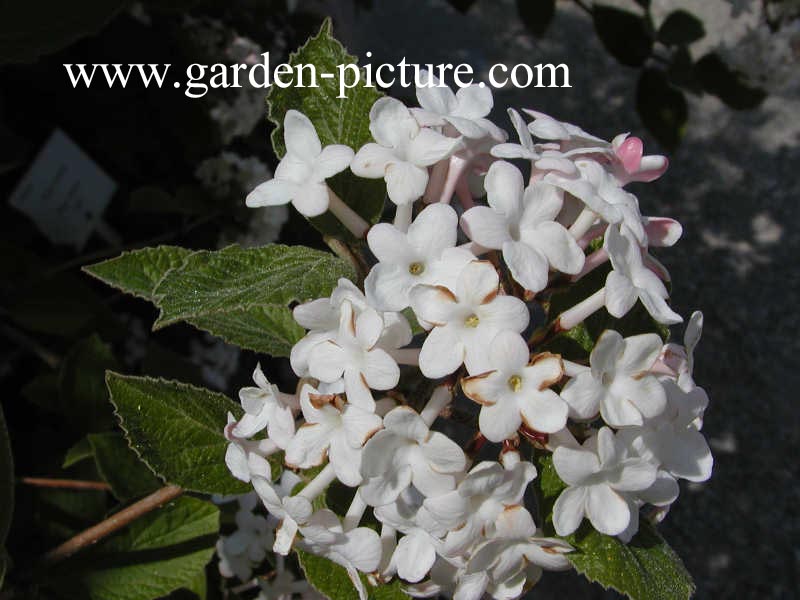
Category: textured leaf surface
[138,272]
[337,120]
[120,467]
[235,279]
[176,429]
[161,552]
[332,580]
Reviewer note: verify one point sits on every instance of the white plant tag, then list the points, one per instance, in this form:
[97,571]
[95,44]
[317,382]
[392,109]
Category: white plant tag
[64,192]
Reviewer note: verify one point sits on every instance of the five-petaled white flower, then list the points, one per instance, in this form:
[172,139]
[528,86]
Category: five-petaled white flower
[266,407]
[407,452]
[618,384]
[335,428]
[289,510]
[352,356]
[301,174]
[631,280]
[517,390]
[598,475]
[403,151]
[465,323]
[522,223]
[424,254]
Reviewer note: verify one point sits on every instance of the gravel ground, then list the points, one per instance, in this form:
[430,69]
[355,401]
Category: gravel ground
[733,184]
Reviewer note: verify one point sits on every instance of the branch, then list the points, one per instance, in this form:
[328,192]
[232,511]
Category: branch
[72,484]
[113,523]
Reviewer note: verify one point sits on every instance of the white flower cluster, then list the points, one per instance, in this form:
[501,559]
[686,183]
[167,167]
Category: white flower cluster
[622,428]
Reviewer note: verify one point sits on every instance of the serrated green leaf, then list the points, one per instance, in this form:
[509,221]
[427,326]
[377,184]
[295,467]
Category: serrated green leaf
[120,467]
[138,272]
[331,580]
[176,429]
[212,284]
[6,484]
[337,121]
[646,568]
[161,552]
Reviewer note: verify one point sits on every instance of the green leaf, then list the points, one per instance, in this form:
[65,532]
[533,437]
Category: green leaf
[662,107]
[83,398]
[728,85]
[624,34]
[80,451]
[161,552]
[681,28]
[646,568]
[121,468]
[139,272]
[536,14]
[337,121]
[176,429]
[6,489]
[214,283]
[25,35]
[331,580]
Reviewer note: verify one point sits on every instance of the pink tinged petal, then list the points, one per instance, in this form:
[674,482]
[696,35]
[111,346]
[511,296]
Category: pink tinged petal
[608,511]
[621,295]
[372,160]
[560,248]
[499,422]
[434,304]
[300,136]
[443,454]
[544,411]
[308,446]
[442,353]
[662,231]
[527,264]
[651,168]
[486,227]
[630,153]
[327,361]
[434,229]
[414,556]
[312,199]
[429,482]
[333,159]
[574,465]
[405,182]
[380,370]
[634,475]
[477,283]
[509,352]
[391,123]
[568,510]
[504,312]
[429,147]
[272,193]
[504,189]
[583,394]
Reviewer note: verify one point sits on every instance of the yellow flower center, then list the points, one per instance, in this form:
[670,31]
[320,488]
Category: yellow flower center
[515,383]
[472,321]
[416,268]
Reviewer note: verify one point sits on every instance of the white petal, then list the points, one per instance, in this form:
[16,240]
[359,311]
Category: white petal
[390,245]
[391,123]
[634,475]
[509,352]
[385,488]
[372,160]
[620,294]
[443,454]
[359,425]
[441,354]
[327,362]
[362,549]
[583,394]
[405,422]
[504,189]
[560,248]
[504,312]
[544,411]
[431,483]
[607,510]
[477,282]
[641,351]
[434,229]
[414,556]
[316,314]
[429,147]
[300,136]
[474,101]
[486,227]
[332,160]
[659,309]
[312,199]
[499,422]
[387,286]
[568,510]
[271,193]
[528,265]
[346,461]
[380,370]
[405,182]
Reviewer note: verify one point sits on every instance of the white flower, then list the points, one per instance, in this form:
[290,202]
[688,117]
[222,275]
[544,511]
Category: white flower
[472,510]
[403,152]
[517,390]
[465,323]
[246,547]
[289,510]
[618,384]
[425,254]
[543,158]
[522,223]
[356,550]
[301,174]
[569,136]
[680,359]
[247,458]
[266,407]
[333,428]
[598,475]
[502,565]
[631,280]
[464,111]
[672,440]
[352,356]
[406,452]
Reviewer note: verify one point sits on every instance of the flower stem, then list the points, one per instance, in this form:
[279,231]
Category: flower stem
[317,485]
[70,484]
[402,217]
[353,516]
[581,311]
[436,181]
[583,223]
[594,260]
[349,218]
[440,398]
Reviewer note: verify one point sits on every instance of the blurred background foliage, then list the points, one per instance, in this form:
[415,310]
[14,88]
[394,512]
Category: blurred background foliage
[183,167]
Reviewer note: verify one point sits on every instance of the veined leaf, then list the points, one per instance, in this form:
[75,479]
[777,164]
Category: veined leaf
[332,580]
[176,429]
[120,467]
